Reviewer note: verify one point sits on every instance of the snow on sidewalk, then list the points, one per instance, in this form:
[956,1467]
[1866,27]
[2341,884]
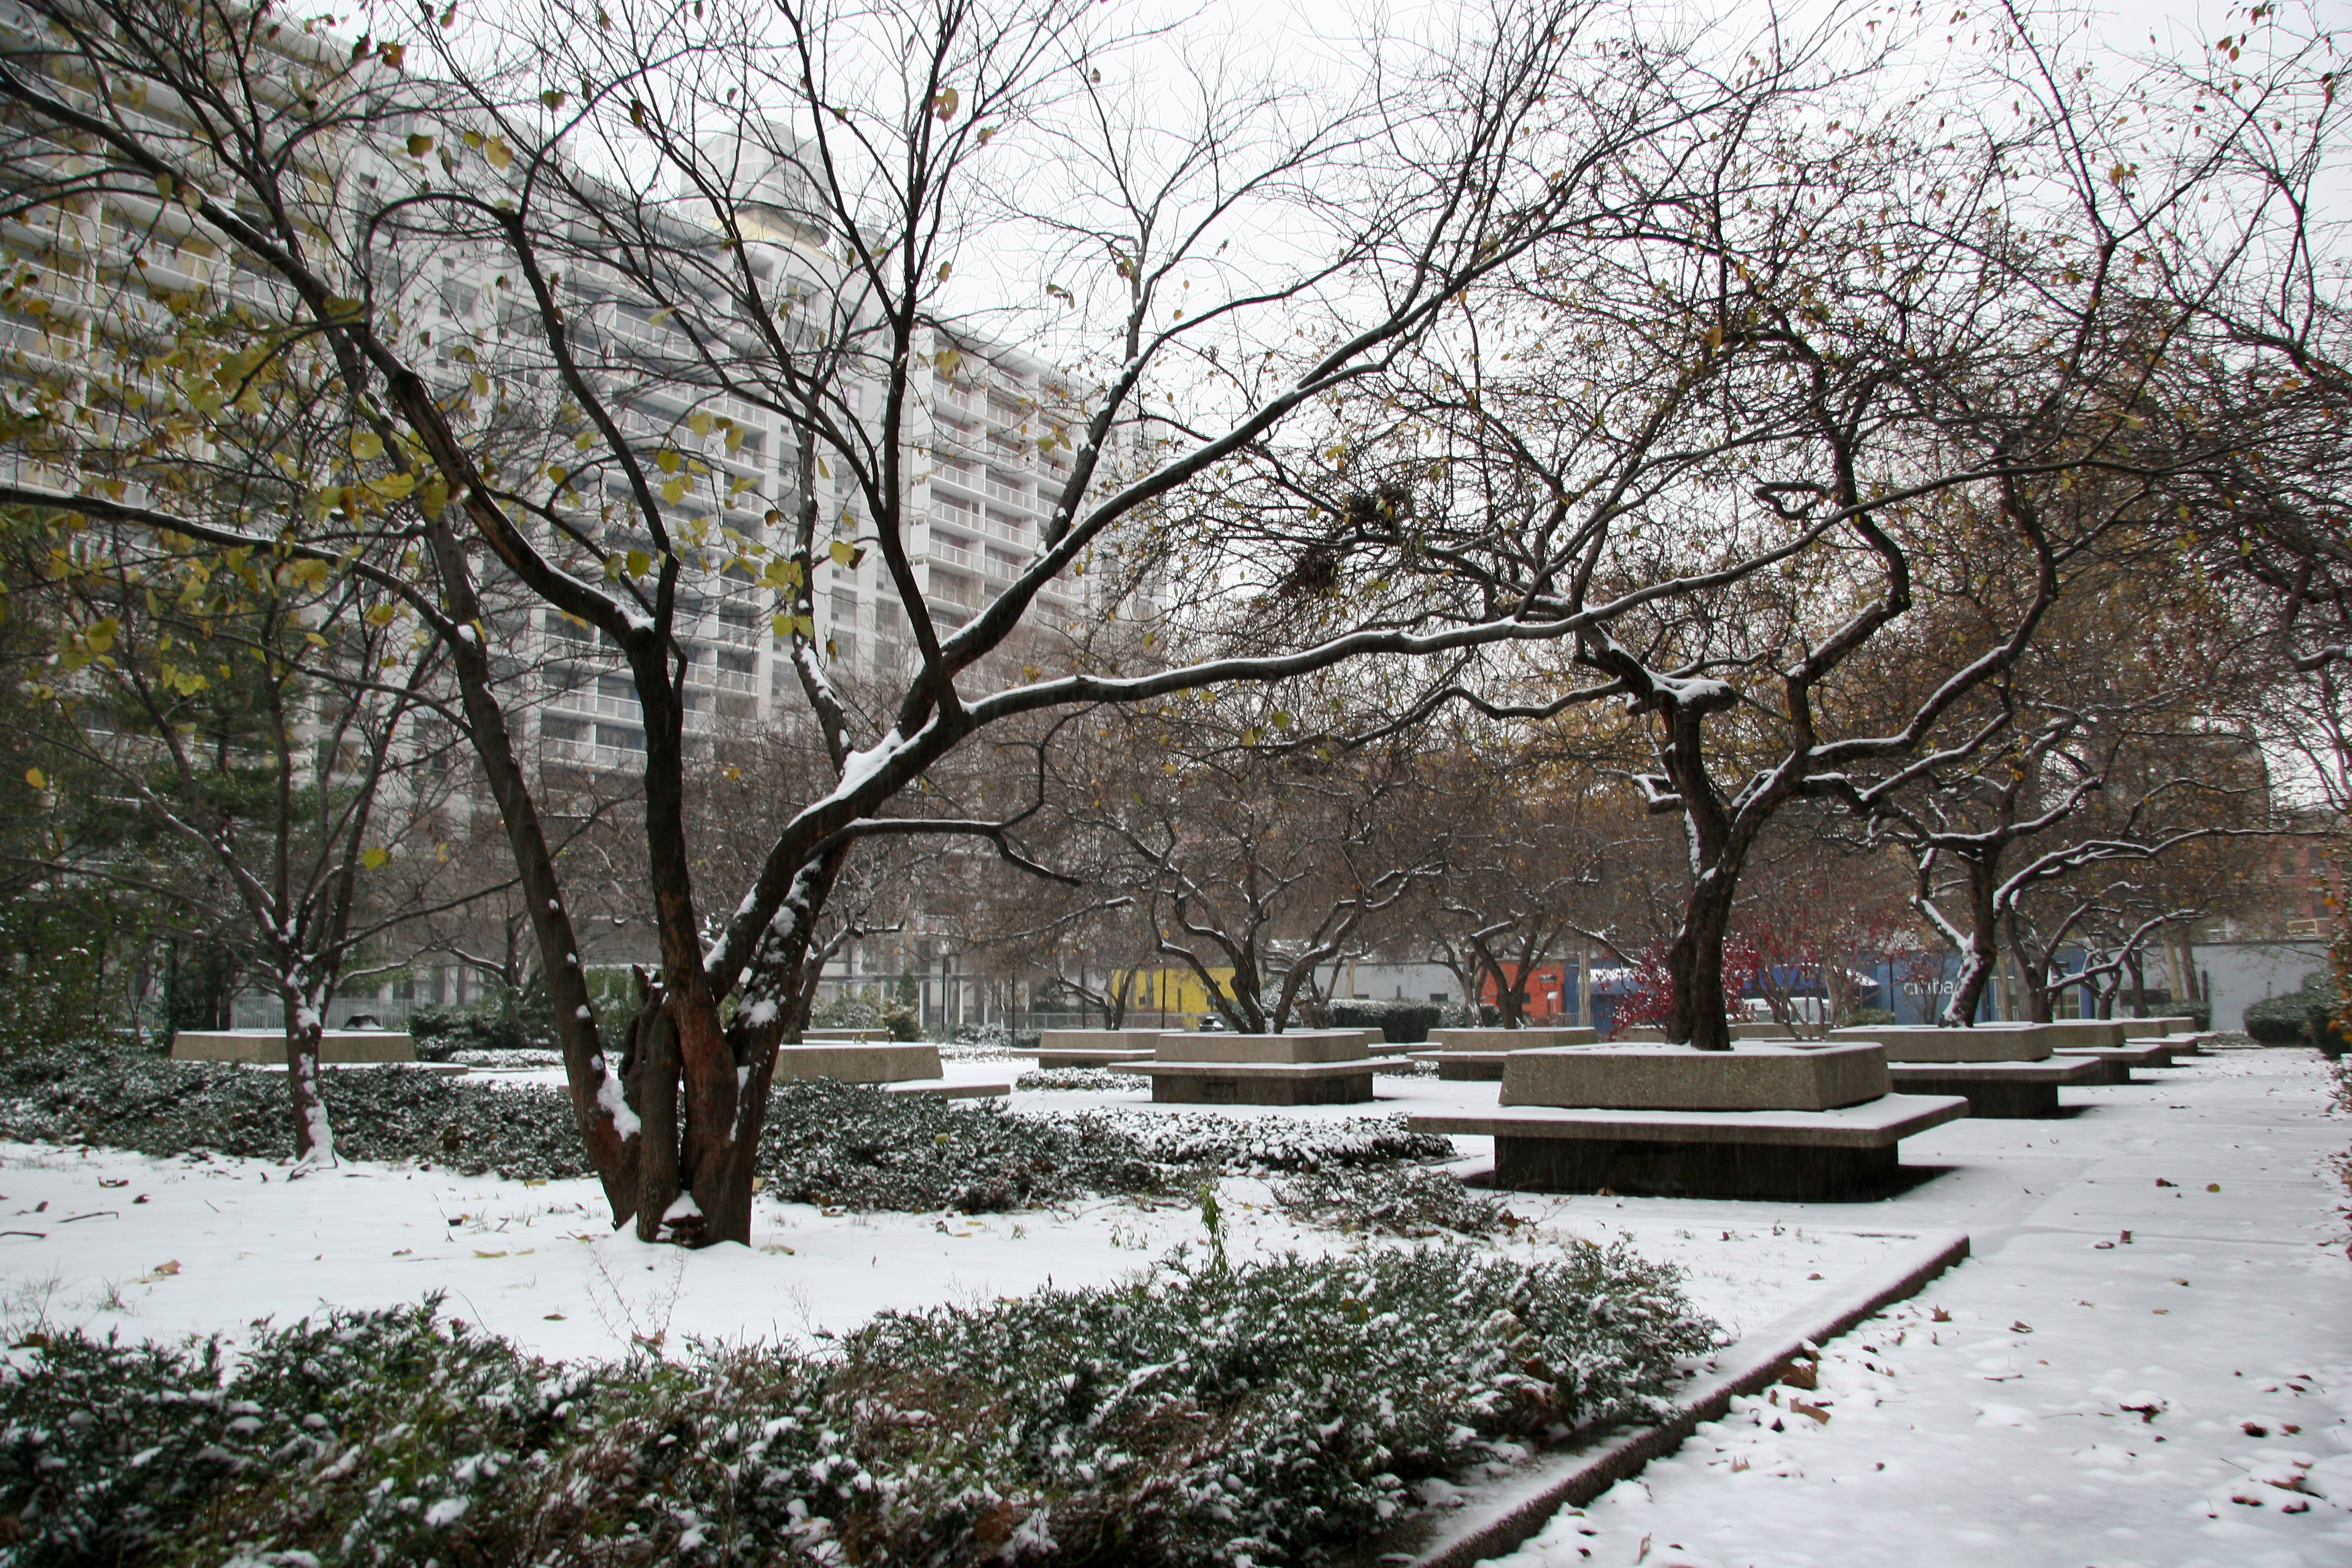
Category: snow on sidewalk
[2146,1361]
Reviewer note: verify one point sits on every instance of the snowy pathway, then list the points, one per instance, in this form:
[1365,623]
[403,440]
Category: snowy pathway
[2155,1332]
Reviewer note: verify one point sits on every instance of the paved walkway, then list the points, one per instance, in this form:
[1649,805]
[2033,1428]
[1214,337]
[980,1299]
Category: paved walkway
[2148,1360]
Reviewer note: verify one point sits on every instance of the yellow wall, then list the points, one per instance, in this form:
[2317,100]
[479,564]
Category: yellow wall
[1174,990]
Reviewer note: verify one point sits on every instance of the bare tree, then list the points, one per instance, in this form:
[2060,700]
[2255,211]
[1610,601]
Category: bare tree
[1253,870]
[1524,862]
[808,274]
[276,727]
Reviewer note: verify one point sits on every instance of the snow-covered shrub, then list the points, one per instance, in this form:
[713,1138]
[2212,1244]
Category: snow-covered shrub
[1094,1079]
[1402,1067]
[1255,1145]
[72,1094]
[826,1142]
[840,1144]
[1392,1200]
[987,1043]
[1278,1413]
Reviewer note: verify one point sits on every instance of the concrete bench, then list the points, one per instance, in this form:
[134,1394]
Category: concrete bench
[2117,1061]
[1096,1047]
[1846,1154]
[2157,1029]
[338,1047]
[1305,1067]
[1936,1043]
[1478,1055]
[2006,1091]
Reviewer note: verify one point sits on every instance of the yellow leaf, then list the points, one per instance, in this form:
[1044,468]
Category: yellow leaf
[639,563]
[674,492]
[314,639]
[944,106]
[392,486]
[585,439]
[552,98]
[481,385]
[375,856]
[419,144]
[946,268]
[842,553]
[823,468]
[33,776]
[382,615]
[667,461]
[698,422]
[433,497]
[366,444]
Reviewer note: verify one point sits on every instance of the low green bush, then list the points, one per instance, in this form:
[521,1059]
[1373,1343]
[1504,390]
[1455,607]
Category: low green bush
[1278,1413]
[826,1142]
[1392,1200]
[2282,1021]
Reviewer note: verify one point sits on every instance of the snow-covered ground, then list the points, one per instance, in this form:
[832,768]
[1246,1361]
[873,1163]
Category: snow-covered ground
[2154,1333]
[160,1248]
[2088,1401]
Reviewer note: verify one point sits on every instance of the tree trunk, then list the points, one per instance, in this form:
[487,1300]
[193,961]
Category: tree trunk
[2181,966]
[314,1135]
[1695,1014]
[651,1073]
[1981,955]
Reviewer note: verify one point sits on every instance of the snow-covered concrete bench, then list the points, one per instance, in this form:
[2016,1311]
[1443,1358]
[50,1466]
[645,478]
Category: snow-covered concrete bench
[1302,1066]
[2116,1062]
[1792,1123]
[1477,1056]
[2160,1028]
[2009,1091]
[1096,1047]
[336,1047]
[2004,1070]
[894,1067]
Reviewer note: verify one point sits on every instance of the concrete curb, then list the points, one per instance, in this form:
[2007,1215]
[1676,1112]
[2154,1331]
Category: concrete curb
[1511,1517]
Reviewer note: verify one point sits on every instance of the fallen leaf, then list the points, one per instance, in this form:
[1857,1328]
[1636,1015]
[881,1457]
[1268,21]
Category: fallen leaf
[1940,1316]
[1815,1411]
[166,1271]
